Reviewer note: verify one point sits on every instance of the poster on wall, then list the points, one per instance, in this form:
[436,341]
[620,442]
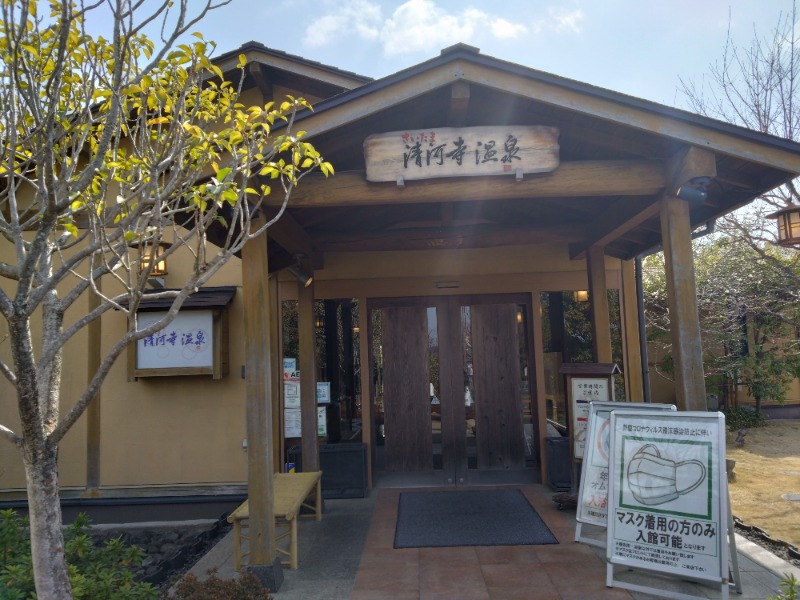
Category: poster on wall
[291,423]
[593,494]
[323,392]
[290,372]
[322,421]
[667,500]
[291,394]
[586,390]
[185,342]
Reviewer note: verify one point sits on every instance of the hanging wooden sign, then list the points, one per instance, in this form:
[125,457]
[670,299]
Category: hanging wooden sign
[461,152]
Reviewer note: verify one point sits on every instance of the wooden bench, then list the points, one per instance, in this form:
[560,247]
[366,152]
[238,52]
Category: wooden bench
[292,492]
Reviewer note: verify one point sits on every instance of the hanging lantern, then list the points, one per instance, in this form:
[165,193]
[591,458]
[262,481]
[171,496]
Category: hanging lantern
[788,225]
[153,255]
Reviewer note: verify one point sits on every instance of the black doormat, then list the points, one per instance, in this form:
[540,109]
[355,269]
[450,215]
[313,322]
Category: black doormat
[468,518]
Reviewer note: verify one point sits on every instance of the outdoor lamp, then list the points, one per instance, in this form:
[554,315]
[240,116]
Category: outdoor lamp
[302,276]
[581,296]
[152,258]
[788,225]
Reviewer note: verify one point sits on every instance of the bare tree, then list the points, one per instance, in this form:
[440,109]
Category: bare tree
[109,146]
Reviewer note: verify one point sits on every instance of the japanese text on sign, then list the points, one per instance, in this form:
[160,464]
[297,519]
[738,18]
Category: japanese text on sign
[185,342]
[451,152]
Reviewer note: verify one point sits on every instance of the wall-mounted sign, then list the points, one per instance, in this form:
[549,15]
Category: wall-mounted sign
[667,501]
[188,345]
[185,342]
[460,152]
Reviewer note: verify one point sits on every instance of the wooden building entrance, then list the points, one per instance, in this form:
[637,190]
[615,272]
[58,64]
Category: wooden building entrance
[451,394]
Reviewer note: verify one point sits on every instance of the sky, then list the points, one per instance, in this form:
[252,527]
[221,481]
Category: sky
[637,47]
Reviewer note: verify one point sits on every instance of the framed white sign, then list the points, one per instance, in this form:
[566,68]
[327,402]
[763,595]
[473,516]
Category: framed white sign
[668,508]
[185,342]
[593,494]
[586,390]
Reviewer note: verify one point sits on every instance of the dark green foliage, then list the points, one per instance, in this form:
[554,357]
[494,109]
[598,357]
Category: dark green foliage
[245,587]
[95,573]
[744,417]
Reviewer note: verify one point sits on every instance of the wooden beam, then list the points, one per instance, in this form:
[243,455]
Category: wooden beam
[459,104]
[308,376]
[609,229]
[687,351]
[631,348]
[585,178]
[264,85]
[288,233]
[598,295]
[435,238]
[258,392]
[690,163]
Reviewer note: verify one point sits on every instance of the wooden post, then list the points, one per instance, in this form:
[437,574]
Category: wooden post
[539,380]
[307,364]
[687,352]
[95,332]
[276,381]
[258,389]
[598,295]
[631,349]
[365,365]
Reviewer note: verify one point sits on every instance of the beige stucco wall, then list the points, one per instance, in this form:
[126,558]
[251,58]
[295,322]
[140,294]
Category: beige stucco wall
[189,429]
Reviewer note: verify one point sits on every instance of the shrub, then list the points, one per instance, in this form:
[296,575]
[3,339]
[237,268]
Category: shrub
[95,573]
[246,587]
[743,416]
[789,588]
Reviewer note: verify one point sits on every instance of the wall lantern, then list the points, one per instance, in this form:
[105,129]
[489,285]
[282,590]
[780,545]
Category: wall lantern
[581,296]
[788,225]
[319,322]
[152,258]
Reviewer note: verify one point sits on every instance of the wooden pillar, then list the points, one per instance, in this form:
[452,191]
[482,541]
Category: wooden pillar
[307,363]
[538,366]
[95,332]
[598,295]
[687,352]
[631,349]
[365,365]
[276,367]
[258,390]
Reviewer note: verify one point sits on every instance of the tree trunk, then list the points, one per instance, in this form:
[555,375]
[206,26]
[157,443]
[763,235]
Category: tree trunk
[47,535]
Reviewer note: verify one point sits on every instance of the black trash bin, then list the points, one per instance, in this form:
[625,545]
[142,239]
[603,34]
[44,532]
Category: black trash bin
[559,470]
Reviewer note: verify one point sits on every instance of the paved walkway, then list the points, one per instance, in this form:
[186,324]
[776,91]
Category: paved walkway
[350,554]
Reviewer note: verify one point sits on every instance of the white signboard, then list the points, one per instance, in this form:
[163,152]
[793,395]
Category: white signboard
[322,422]
[667,504]
[291,394]
[459,152]
[185,342]
[584,391]
[593,495]
[291,423]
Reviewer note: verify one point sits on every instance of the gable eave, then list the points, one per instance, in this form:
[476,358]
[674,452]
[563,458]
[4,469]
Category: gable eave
[466,65]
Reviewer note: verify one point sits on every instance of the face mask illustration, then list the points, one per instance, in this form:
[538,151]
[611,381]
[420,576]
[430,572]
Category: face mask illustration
[654,480]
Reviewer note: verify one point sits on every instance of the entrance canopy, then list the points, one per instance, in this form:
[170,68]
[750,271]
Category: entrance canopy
[619,156]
